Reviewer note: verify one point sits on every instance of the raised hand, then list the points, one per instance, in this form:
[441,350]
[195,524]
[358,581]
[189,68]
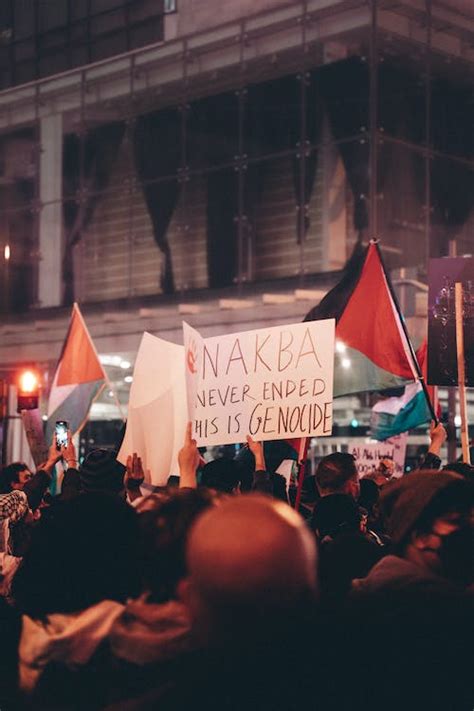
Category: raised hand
[257,450]
[437,436]
[188,459]
[134,475]
[68,452]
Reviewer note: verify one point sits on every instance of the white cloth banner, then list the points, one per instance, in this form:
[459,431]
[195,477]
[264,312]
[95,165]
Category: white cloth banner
[157,413]
[271,383]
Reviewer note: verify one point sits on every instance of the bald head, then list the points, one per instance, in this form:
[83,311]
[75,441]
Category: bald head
[249,553]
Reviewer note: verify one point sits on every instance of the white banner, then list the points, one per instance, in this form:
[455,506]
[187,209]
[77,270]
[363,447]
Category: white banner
[271,383]
[157,409]
[399,443]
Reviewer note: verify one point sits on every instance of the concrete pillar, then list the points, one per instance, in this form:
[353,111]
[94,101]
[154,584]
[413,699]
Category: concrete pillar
[51,217]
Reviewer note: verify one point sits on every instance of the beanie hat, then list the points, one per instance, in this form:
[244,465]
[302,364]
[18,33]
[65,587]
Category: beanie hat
[100,471]
[405,501]
[221,474]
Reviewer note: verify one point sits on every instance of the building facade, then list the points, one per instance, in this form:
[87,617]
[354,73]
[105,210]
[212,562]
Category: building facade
[219,160]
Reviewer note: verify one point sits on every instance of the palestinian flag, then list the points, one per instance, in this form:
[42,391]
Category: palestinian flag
[372,348]
[78,380]
[394,415]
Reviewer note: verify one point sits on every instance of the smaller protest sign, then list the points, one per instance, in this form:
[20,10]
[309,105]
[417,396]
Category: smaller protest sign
[399,443]
[33,425]
[368,455]
[272,383]
[157,409]
[444,273]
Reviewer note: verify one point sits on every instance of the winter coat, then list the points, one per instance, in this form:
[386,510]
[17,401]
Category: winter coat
[105,654]
[394,574]
[58,656]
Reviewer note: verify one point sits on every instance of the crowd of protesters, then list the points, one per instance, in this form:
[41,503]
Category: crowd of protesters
[217,594]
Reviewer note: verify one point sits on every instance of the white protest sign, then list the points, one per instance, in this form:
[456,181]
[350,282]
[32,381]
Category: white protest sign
[157,413]
[368,455]
[399,443]
[271,383]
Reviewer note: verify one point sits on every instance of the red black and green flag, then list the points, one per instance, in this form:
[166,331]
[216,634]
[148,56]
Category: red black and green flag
[78,380]
[372,347]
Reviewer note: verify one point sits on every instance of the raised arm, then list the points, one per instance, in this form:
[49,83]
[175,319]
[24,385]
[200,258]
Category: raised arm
[188,460]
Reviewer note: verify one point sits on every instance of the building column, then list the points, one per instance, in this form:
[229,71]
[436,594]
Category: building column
[51,216]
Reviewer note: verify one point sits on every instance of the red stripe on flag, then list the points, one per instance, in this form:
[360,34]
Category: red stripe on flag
[369,321]
[79,362]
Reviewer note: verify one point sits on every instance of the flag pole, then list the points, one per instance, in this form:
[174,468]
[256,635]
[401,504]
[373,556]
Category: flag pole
[302,454]
[420,377]
[458,294]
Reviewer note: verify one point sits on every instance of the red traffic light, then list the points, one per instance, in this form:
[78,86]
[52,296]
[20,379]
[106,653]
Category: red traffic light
[28,390]
[28,382]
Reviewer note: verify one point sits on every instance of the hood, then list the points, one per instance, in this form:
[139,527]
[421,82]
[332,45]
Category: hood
[392,573]
[70,639]
[147,633]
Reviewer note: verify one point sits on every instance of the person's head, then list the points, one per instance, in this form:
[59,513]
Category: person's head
[337,474]
[430,520]
[221,475]
[101,472]
[465,470]
[164,528]
[369,497]
[14,476]
[83,550]
[247,558]
[336,514]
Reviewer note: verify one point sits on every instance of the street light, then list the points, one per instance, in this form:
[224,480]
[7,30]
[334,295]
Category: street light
[28,390]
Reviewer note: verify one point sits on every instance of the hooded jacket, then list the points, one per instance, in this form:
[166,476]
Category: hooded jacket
[68,639]
[394,574]
[149,633]
[107,653]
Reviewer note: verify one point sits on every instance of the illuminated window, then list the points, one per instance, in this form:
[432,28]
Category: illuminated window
[170,6]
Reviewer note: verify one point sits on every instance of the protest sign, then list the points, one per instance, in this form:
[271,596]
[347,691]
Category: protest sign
[157,409]
[399,443]
[33,425]
[442,363]
[272,383]
[368,455]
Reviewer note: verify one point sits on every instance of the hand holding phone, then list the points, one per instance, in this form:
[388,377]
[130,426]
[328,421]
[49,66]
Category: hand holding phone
[61,431]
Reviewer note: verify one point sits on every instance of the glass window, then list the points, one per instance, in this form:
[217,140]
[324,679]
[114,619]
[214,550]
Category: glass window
[24,18]
[51,14]
[212,129]
[170,6]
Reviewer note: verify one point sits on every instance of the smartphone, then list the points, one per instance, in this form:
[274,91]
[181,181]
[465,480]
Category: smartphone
[61,430]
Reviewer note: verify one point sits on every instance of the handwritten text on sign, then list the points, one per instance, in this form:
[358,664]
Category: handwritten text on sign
[271,383]
[368,456]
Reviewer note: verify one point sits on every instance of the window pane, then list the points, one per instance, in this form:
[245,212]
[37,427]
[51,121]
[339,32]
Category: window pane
[108,46]
[272,117]
[52,13]
[24,18]
[212,131]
